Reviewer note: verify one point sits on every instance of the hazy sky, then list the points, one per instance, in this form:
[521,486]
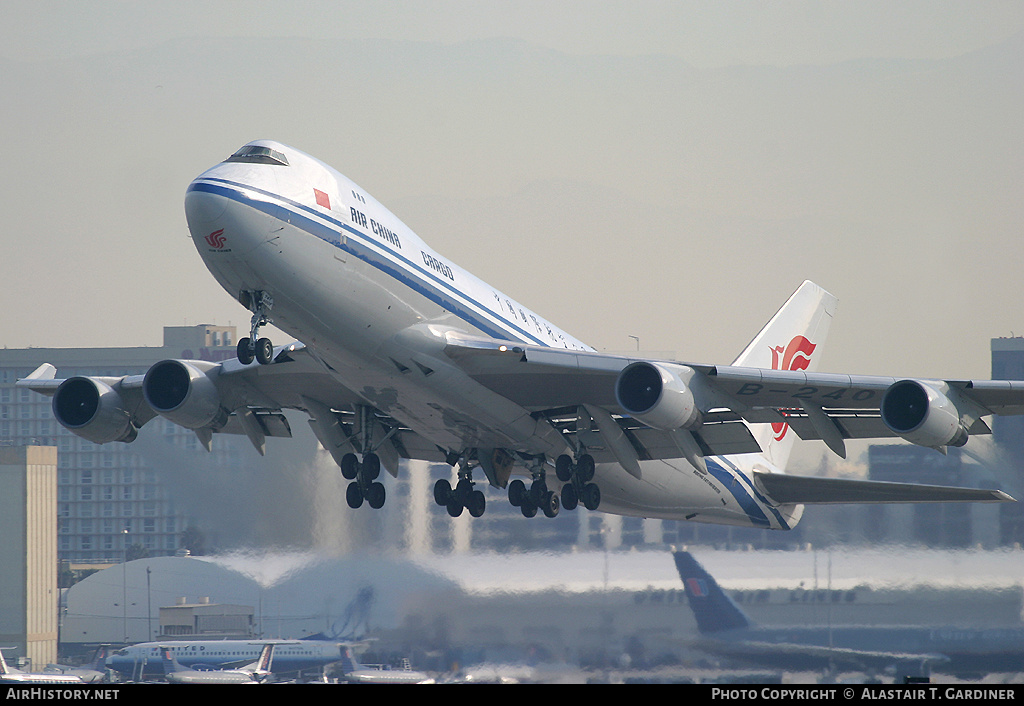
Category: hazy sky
[705,34]
[666,170]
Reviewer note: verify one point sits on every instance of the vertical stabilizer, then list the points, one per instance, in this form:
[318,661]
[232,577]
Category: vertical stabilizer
[349,663]
[266,658]
[712,608]
[792,340]
[170,662]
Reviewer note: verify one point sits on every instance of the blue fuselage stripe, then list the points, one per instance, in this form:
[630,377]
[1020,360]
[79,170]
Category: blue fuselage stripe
[741,487]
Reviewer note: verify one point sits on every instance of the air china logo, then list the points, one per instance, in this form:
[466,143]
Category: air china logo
[796,355]
[216,239]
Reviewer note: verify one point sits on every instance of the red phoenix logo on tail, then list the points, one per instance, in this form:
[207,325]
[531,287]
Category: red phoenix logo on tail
[796,355]
[216,239]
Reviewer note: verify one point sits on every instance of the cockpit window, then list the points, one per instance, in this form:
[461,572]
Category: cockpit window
[255,154]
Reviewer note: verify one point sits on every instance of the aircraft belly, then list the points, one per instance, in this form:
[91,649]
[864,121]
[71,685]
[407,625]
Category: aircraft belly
[675,490]
[352,314]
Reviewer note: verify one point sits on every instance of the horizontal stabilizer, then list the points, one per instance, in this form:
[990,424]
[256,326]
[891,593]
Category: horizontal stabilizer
[801,490]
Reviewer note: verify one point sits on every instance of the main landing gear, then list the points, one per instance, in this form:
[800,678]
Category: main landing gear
[577,478]
[464,496]
[364,474]
[538,497]
[364,485]
[253,347]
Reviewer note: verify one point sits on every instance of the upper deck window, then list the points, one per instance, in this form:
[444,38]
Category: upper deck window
[255,154]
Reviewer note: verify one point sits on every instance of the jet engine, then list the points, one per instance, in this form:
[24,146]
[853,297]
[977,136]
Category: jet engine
[93,410]
[922,415]
[182,392]
[658,396]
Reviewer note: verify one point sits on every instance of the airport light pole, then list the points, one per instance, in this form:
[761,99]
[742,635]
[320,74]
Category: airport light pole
[124,585]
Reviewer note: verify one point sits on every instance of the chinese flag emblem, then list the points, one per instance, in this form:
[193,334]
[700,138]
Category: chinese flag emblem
[322,199]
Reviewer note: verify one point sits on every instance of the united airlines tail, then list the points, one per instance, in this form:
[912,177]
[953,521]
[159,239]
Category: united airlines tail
[169,661]
[266,658]
[712,608]
[791,340]
[349,663]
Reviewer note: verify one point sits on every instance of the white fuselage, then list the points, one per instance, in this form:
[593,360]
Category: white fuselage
[146,658]
[373,302]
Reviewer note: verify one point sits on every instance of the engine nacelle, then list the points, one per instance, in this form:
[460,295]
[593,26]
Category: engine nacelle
[180,391]
[658,395]
[93,410]
[922,415]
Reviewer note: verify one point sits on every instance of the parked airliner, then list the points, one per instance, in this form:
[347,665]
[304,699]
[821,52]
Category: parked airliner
[10,675]
[726,630]
[356,673]
[256,673]
[147,658]
[402,354]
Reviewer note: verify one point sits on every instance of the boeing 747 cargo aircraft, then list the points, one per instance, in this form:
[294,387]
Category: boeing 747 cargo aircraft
[402,354]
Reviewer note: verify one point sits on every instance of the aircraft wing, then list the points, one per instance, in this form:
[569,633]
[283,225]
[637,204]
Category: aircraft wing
[809,490]
[255,397]
[830,407]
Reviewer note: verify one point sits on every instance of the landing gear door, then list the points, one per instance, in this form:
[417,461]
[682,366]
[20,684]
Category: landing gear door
[497,465]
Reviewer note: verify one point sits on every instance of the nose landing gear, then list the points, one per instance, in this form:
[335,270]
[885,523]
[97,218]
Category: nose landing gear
[253,347]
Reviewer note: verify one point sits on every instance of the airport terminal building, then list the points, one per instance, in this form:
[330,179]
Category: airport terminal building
[108,497]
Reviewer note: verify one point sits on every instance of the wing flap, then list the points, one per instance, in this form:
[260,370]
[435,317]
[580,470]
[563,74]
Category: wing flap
[811,490]
[714,440]
[271,423]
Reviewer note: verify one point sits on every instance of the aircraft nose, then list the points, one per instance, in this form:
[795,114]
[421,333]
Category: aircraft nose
[202,207]
[220,226]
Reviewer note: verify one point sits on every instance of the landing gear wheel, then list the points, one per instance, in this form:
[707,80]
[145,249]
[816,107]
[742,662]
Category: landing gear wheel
[244,351]
[551,504]
[570,498]
[516,492]
[563,468]
[264,351]
[538,492]
[375,495]
[354,495]
[349,466]
[477,503]
[591,496]
[371,466]
[463,489]
[585,468]
[528,507]
[442,492]
[454,507]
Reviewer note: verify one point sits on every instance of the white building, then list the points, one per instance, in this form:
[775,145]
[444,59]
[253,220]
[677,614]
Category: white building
[28,553]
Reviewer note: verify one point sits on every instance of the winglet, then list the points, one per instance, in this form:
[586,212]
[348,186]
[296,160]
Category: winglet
[43,372]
